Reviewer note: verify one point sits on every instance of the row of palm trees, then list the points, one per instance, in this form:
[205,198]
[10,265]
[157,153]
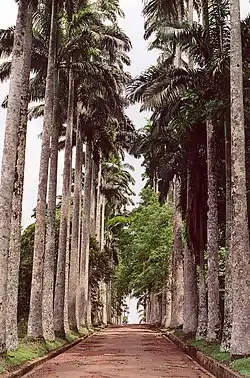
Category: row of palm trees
[198,93]
[67,58]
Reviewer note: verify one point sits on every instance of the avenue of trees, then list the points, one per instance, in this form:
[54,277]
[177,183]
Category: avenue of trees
[195,146]
[184,251]
[67,60]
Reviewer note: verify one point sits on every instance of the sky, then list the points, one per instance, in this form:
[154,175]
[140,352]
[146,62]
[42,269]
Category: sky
[141,59]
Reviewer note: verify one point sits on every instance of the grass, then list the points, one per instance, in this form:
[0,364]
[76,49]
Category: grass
[241,365]
[31,350]
[212,350]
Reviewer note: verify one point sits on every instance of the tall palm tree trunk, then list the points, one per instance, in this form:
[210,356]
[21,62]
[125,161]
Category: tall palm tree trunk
[59,300]
[177,264]
[98,203]
[240,339]
[228,305]
[202,312]
[74,257]
[84,263]
[35,328]
[103,285]
[190,316]
[50,247]
[9,159]
[16,220]
[214,325]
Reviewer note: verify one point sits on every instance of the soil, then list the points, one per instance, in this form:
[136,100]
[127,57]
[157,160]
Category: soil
[122,352]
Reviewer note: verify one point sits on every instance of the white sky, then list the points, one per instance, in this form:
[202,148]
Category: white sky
[141,59]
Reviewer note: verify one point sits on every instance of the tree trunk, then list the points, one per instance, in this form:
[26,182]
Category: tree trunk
[214,325]
[9,159]
[103,285]
[98,203]
[63,233]
[67,261]
[74,257]
[16,219]
[50,246]
[202,312]
[177,264]
[228,305]
[190,316]
[204,14]
[35,328]
[240,340]
[190,21]
[84,264]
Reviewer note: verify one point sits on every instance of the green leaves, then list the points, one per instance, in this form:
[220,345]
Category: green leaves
[145,246]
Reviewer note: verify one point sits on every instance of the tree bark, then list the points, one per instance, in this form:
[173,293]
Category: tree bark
[190,21]
[59,300]
[35,328]
[202,312]
[9,159]
[103,285]
[74,257]
[214,324]
[84,264]
[240,340]
[177,264]
[16,219]
[190,316]
[98,203]
[228,305]
[50,246]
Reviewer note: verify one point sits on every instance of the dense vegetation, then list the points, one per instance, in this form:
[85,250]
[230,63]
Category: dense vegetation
[184,251]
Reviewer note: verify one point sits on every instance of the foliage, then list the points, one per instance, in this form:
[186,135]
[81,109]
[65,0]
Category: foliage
[144,248]
[99,270]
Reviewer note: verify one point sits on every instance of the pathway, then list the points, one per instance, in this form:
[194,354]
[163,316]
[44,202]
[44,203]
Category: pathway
[122,352]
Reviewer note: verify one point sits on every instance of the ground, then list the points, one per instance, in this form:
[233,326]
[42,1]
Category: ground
[122,352]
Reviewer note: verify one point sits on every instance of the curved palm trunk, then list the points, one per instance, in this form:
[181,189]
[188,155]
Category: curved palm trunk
[74,257]
[35,328]
[84,263]
[190,316]
[214,325]
[59,301]
[240,340]
[49,256]
[228,305]
[16,220]
[9,159]
[177,264]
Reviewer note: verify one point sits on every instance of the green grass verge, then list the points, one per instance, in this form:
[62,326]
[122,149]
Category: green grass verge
[31,350]
[241,365]
[212,350]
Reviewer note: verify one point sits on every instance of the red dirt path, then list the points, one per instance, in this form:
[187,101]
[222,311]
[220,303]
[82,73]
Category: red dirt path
[122,352]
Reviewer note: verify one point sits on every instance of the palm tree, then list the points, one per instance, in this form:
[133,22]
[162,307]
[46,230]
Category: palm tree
[64,220]
[50,246]
[9,157]
[74,259]
[82,295]
[240,234]
[177,263]
[15,236]
[35,328]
